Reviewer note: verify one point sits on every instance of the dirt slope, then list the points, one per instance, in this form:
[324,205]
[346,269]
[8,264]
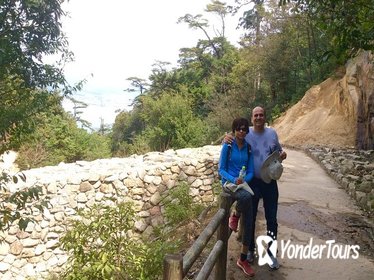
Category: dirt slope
[338,112]
[319,118]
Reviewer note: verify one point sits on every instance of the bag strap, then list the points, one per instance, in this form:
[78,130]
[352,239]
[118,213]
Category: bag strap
[228,156]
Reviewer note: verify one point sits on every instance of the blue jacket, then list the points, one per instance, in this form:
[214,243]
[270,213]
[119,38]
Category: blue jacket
[229,168]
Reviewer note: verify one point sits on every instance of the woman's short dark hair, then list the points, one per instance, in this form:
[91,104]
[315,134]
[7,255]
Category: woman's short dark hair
[238,123]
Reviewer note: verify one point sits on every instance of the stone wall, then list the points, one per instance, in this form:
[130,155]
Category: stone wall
[352,169]
[141,179]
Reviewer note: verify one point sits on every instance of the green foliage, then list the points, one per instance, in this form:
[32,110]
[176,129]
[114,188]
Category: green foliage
[35,124]
[77,106]
[102,247]
[19,104]
[140,145]
[276,112]
[18,206]
[58,139]
[30,30]
[180,205]
[101,244]
[158,124]
[125,128]
[170,123]
[279,61]
[217,188]
[96,146]
[348,25]
[281,56]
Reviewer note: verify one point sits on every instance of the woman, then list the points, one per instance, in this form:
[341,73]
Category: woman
[232,159]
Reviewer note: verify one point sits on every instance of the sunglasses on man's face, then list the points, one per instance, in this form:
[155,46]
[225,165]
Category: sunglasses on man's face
[242,129]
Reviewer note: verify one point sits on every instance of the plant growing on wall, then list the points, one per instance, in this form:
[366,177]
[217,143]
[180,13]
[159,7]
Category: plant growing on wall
[180,206]
[101,246]
[18,206]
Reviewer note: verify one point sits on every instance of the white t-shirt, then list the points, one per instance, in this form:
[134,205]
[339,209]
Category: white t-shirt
[262,145]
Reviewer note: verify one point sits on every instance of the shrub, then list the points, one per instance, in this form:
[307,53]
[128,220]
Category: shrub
[181,206]
[102,246]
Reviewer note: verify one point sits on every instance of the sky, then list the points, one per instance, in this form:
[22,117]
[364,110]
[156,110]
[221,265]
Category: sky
[113,40]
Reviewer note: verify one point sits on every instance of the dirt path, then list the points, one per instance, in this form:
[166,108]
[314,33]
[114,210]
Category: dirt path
[312,205]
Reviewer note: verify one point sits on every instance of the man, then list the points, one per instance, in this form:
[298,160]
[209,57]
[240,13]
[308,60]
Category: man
[264,141]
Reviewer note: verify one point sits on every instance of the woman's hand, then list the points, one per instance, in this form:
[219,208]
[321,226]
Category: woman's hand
[239,181]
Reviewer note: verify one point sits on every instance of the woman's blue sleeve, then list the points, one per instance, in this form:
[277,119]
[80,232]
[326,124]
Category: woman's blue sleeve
[250,168]
[222,165]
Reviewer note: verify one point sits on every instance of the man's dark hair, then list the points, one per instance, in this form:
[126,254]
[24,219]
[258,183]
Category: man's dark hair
[239,122]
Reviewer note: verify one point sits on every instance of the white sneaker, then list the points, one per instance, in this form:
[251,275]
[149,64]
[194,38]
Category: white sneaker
[275,265]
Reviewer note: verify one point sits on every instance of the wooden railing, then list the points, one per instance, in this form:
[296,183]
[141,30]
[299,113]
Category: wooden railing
[177,266]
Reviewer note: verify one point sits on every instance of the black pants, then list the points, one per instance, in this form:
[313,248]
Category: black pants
[269,193]
[244,206]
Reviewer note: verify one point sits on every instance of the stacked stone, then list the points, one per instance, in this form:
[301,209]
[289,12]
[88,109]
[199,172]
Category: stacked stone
[143,180]
[352,169]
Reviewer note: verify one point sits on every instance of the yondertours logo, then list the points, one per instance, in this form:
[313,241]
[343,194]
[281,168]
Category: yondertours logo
[268,247]
[263,252]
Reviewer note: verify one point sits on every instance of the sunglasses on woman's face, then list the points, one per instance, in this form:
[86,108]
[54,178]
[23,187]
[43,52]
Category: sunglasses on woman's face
[242,129]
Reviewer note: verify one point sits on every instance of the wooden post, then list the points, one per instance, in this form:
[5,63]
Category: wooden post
[173,267]
[223,235]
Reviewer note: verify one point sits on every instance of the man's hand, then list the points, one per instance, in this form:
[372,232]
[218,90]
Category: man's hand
[228,139]
[283,155]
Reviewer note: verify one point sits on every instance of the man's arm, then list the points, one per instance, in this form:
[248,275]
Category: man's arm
[282,153]
[228,139]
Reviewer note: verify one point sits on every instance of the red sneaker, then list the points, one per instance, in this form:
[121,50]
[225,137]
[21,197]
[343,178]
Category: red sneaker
[233,223]
[244,265]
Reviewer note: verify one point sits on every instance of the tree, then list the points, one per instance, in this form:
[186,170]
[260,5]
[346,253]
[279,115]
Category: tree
[222,11]
[56,138]
[161,79]
[282,59]
[349,25]
[19,103]
[252,20]
[198,22]
[77,105]
[170,123]
[137,84]
[125,126]
[30,30]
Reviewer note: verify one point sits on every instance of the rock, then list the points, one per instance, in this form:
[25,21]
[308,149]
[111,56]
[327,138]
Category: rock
[4,266]
[140,225]
[340,110]
[365,187]
[4,248]
[85,186]
[155,198]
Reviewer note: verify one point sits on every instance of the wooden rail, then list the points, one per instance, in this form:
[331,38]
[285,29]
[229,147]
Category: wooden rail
[177,266]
